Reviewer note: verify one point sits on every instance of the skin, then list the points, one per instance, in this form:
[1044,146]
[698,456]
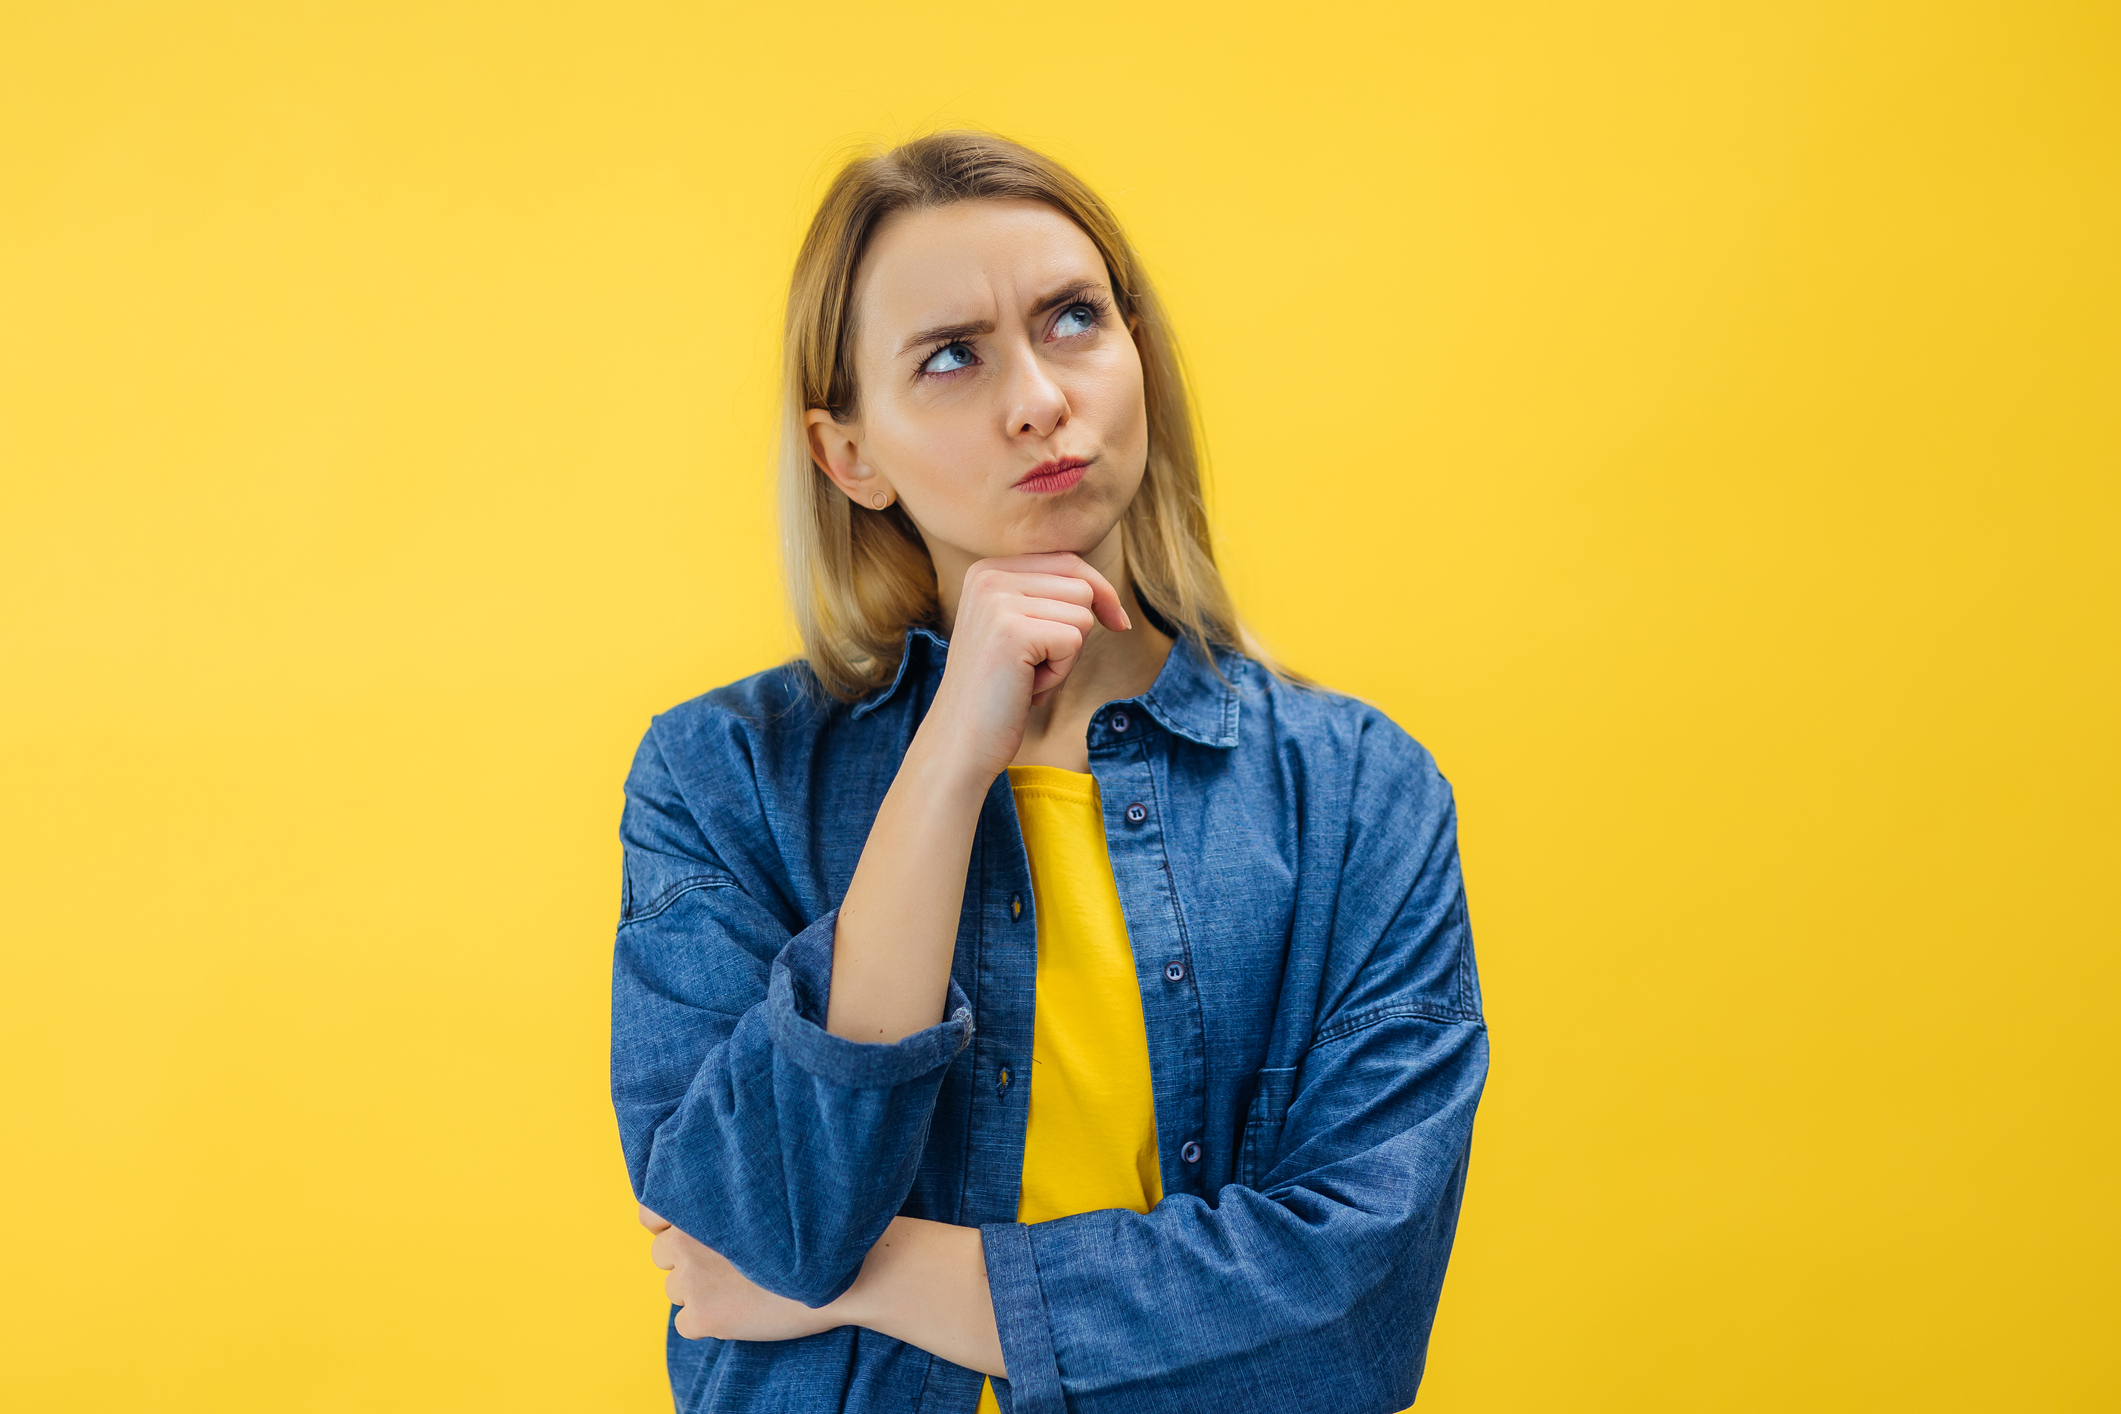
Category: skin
[986,344]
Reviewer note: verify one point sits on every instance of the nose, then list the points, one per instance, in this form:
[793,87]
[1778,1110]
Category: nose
[1036,404]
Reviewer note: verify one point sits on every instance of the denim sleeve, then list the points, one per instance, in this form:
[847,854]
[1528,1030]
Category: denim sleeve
[1312,1282]
[783,1147]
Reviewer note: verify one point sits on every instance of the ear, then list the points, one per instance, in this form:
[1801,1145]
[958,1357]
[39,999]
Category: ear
[836,447]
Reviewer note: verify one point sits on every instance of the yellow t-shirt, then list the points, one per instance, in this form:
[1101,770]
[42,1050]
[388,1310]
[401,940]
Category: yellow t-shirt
[1091,1137]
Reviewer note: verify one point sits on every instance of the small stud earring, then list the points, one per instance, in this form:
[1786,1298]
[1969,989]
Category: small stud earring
[878,500]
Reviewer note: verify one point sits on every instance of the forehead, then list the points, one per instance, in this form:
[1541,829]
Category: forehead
[969,257]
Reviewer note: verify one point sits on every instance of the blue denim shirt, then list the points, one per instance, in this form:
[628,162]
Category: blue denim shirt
[1287,861]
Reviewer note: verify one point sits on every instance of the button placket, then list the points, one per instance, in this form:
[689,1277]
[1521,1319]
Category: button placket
[1128,776]
[1004,1004]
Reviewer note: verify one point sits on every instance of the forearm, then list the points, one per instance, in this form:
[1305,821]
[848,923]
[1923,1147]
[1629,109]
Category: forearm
[897,928]
[745,1122]
[926,1283]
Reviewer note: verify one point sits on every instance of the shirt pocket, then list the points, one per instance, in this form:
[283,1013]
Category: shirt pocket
[1270,1104]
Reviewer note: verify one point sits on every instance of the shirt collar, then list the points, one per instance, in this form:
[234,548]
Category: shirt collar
[1189,697]
[934,648]
[1195,700]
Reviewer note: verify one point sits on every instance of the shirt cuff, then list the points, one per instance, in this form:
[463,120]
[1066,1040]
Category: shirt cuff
[796,998]
[1020,1320]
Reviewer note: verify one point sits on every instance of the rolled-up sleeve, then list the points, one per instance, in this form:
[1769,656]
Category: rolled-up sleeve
[744,1122]
[1313,1283]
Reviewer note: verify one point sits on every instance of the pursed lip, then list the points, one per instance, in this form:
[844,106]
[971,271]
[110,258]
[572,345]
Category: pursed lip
[1049,477]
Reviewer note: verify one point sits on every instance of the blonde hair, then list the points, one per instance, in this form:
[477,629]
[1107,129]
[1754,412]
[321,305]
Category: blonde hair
[859,578]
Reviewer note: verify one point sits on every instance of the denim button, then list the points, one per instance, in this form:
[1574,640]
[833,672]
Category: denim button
[1190,1153]
[1119,721]
[1136,813]
[1174,971]
[1016,907]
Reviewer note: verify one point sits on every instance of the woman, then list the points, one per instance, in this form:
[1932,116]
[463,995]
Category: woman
[1030,983]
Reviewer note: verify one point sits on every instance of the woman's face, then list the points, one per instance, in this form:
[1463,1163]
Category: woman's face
[999,393]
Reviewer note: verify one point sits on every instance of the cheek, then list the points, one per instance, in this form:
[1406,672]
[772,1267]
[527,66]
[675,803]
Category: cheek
[931,449]
[939,460]
[1112,400]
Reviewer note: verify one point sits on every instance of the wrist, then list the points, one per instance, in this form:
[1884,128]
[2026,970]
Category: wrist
[857,1305]
[945,771]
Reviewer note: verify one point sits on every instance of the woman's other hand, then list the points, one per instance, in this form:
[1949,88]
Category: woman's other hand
[924,1283]
[1020,628]
[718,1300]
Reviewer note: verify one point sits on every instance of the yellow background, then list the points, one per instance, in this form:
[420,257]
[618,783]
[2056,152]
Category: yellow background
[1698,424]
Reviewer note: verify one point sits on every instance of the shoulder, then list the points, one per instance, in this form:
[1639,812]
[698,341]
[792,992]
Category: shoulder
[718,780]
[1335,734]
[781,701]
[726,736]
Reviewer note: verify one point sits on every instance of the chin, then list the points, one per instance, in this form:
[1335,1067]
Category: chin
[1077,529]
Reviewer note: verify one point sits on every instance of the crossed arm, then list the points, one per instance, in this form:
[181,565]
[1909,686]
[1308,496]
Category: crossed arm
[1343,1232]
[923,1282]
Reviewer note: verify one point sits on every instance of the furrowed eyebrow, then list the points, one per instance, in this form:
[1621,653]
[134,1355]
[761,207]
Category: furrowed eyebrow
[1067,294]
[945,332]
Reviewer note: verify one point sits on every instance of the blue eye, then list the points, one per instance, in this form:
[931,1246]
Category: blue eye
[950,358]
[1075,319]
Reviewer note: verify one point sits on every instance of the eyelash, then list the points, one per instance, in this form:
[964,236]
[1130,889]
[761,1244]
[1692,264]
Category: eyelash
[1096,303]
[1092,301]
